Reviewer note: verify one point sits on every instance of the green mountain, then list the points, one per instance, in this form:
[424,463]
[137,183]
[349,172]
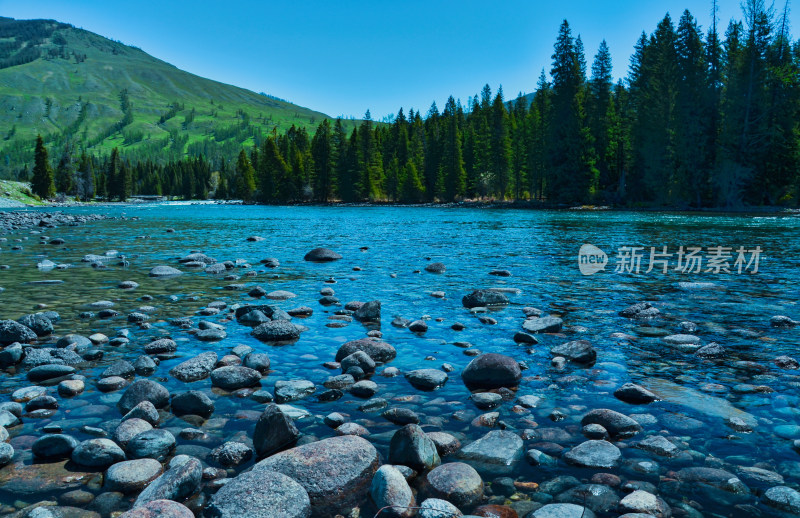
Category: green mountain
[82,91]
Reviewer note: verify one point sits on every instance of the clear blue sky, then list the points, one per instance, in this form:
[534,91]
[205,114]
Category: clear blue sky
[345,57]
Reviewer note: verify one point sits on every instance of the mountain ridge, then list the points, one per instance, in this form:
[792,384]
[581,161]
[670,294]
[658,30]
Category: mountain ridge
[83,91]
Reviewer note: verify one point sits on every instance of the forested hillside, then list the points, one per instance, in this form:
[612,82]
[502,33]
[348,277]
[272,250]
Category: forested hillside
[701,120]
[84,92]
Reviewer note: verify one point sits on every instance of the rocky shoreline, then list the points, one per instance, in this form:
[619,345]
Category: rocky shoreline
[118,439]
[21,219]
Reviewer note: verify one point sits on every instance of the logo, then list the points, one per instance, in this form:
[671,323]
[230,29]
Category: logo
[591,259]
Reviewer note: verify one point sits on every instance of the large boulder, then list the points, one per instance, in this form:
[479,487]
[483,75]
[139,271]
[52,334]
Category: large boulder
[276,331]
[143,390]
[164,271]
[411,447]
[193,402]
[260,494]
[545,324]
[322,255]
[38,323]
[132,476]
[368,312]
[197,258]
[578,351]
[640,310]
[375,349]
[426,379]
[497,452]
[336,472]
[390,490]
[287,391]
[634,394]
[275,431]
[491,371]
[97,453]
[712,477]
[619,426]
[235,377]
[195,369]
[11,331]
[54,446]
[457,483]
[151,444]
[783,498]
[484,298]
[594,454]
[180,481]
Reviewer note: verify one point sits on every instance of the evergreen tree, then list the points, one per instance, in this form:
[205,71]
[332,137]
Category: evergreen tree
[125,181]
[65,174]
[452,177]
[538,137]
[42,183]
[273,171]
[518,127]
[323,156]
[370,162]
[86,180]
[114,178]
[500,163]
[690,181]
[571,171]
[600,114]
[245,178]
[654,86]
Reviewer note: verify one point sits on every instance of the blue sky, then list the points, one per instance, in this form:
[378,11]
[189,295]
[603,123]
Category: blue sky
[343,58]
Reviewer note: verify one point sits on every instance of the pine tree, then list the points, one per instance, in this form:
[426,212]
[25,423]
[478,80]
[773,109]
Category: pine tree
[370,162]
[42,183]
[322,153]
[500,163]
[114,179]
[411,188]
[65,174]
[538,137]
[86,181]
[245,181]
[780,168]
[452,177]
[433,151]
[654,85]
[572,174]
[690,181]
[126,181]
[518,127]
[272,171]
[600,114]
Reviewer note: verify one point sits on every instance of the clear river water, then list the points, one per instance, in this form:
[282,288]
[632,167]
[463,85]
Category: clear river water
[384,253]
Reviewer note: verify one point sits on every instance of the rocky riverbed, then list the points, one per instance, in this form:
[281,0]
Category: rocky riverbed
[144,376]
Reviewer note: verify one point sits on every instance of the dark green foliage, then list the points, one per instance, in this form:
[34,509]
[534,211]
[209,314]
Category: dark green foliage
[701,121]
[65,175]
[42,183]
[245,178]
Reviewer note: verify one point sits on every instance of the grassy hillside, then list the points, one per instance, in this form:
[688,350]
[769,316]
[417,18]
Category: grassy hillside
[83,90]
[16,194]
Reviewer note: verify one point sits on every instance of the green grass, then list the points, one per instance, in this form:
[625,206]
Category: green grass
[109,68]
[17,192]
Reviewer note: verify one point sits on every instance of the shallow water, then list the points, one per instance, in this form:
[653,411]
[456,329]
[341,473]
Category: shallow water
[539,248]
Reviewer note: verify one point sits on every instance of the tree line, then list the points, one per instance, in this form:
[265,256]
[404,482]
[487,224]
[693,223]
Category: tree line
[701,120]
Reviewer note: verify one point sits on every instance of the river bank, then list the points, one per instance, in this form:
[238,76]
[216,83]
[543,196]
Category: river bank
[199,354]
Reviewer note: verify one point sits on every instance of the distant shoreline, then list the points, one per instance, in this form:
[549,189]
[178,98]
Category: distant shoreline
[491,205]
